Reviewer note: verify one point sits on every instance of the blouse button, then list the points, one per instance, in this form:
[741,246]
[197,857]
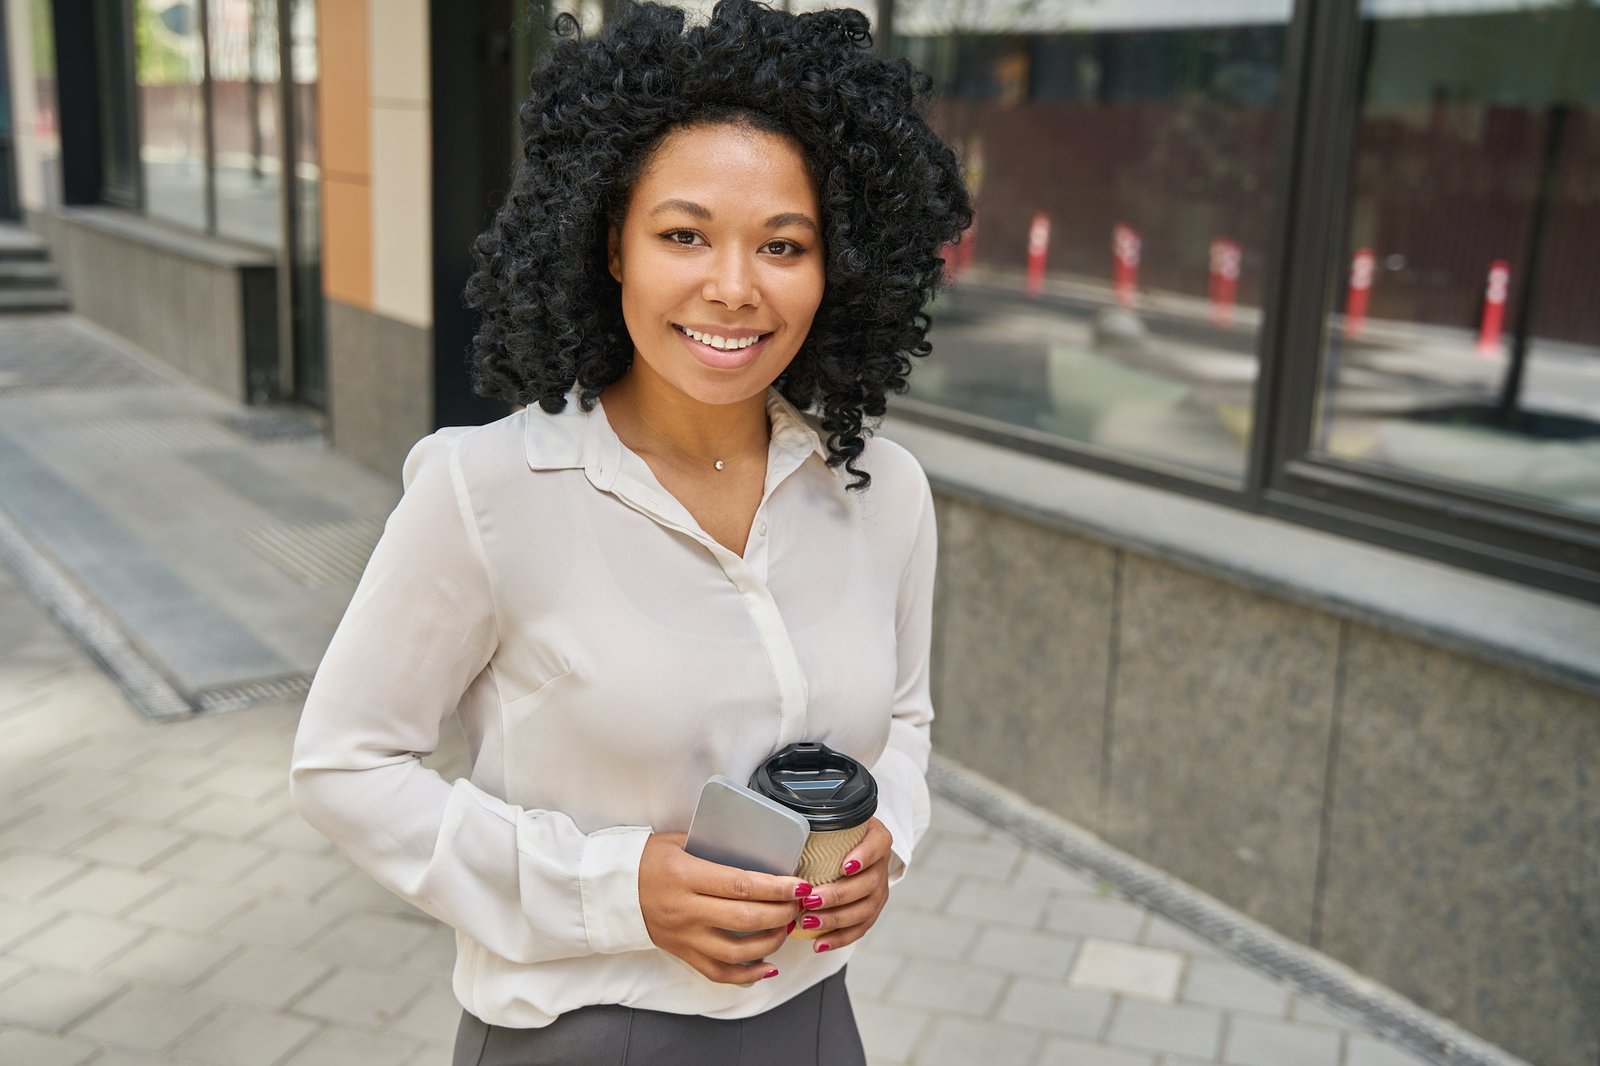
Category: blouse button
[761,529]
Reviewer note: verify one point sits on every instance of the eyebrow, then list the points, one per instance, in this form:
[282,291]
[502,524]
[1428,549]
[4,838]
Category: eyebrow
[689,207]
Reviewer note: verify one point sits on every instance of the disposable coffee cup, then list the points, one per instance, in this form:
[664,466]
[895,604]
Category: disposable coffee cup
[837,796]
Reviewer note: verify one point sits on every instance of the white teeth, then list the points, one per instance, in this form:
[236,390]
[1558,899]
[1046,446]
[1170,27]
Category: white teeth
[720,343]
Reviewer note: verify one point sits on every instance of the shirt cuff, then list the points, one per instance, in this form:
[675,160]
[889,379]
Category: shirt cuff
[903,809]
[608,877]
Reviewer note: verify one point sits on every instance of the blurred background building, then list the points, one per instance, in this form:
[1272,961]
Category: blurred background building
[1264,410]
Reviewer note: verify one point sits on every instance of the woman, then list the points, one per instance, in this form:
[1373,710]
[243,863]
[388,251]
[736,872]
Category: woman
[657,571]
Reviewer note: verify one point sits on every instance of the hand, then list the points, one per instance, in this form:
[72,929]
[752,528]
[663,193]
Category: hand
[848,907]
[688,903]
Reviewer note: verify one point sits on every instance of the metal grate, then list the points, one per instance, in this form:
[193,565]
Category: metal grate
[253,694]
[272,428]
[317,554]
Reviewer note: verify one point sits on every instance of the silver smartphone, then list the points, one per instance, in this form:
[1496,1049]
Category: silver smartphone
[737,827]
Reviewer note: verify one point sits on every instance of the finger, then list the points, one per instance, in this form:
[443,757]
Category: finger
[873,849]
[841,937]
[738,973]
[842,917]
[745,950]
[742,916]
[727,882]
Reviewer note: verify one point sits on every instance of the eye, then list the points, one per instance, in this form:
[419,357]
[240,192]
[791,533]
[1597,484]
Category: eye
[783,248]
[686,237]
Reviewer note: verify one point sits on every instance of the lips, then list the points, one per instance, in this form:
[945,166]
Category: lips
[723,359]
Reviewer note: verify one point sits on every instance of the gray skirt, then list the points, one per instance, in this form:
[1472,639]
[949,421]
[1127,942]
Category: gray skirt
[815,1028]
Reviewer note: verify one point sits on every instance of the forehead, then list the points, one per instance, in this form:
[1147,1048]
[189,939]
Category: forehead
[727,167]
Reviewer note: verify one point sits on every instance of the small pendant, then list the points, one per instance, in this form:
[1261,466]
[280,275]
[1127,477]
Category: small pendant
[719,464]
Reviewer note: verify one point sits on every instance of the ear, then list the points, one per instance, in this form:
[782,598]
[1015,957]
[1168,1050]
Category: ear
[614,251]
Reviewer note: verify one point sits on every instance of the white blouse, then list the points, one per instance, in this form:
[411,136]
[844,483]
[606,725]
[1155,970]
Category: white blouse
[605,656]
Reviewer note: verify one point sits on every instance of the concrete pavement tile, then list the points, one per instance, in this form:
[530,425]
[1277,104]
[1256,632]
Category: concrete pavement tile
[147,1019]
[945,986]
[53,831]
[130,844]
[108,890]
[18,920]
[948,817]
[245,1036]
[225,816]
[246,781]
[25,1046]
[27,874]
[1109,919]
[1182,1030]
[123,1057]
[79,790]
[924,889]
[437,954]
[1041,870]
[1363,1050]
[291,833]
[1065,1051]
[1052,1005]
[1026,952]
[357,891]
[378,940]
[152,801]
[1150,973]
[295,873]
[1306,1009]
[173,767]
[871,972]
[431,1055]
[993,901]
[1265,1042]
[79,942]
[1231,985]
[1164,934]
[285,923]
[169,958]
[431,1017]
[963,855]
[103,754]
[928,936]
[961,1042]
[11,969]
[193,908]
[889,1032]
[212,859]
[345,1045]
[365,997]
[54,999]
[266,977]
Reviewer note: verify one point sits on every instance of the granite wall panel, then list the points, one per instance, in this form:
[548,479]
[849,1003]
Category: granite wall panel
[1464,845]
[1219,738]
[1023,621]
[380,386]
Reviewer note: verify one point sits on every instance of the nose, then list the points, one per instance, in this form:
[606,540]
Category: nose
[730,280]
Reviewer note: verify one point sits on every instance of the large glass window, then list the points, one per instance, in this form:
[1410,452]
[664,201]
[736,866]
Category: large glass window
[170,71]
[244,102]
[1464,345]
[1121,159]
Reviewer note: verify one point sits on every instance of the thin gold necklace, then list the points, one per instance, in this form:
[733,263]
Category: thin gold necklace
[717,463]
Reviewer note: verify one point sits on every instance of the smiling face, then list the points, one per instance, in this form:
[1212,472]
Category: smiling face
[720,260]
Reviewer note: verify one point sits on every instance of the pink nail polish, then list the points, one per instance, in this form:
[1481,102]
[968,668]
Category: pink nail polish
[811,921]
[822,947]
[769,973]
[802,890]
[811,903]
[790,929]
[851,867]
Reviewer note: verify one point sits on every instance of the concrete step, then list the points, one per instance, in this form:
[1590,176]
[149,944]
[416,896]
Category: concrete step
[27,274]
[18,243]
[22,301]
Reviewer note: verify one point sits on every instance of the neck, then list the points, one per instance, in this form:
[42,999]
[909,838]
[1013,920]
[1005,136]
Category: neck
[713,431]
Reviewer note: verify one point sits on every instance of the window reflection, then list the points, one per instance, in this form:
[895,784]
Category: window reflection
[244,95]
[1121,158]
[1466,343]
[170,69]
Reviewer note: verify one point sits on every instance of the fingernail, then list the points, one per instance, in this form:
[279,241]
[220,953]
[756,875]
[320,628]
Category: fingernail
[811,921]
[769,973]
[802,890]
[790,929]
[811,903]
[851,867]
[822,947]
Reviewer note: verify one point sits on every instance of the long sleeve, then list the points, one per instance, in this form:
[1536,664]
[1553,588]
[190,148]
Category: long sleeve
[420,630]
[901,771]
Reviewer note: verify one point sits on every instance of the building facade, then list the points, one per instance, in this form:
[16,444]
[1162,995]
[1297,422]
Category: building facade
[1264,413]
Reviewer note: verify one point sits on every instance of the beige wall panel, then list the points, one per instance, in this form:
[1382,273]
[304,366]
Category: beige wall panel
[402,245]
[400,51]
[343,97]
[346,241]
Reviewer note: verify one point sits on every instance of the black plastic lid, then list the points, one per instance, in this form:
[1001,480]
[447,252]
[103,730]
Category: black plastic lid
[830,788]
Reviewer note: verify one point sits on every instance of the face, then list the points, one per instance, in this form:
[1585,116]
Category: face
[720,260]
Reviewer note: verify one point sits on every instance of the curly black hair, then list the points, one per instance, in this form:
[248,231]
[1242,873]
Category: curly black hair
[891,194]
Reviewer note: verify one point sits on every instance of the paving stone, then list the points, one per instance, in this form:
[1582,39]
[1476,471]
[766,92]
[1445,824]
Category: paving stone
[994,901]
[437,954]
[79,942]
[291,833]
[872,972]
[173,767]
[284,922]
[11,969]
[1151,973]
[25,1046]
[1264,1042]
[928,936]
[169,958]
[195,908]
[130,844]
[211,859]
[889,1032]
[359,892]
[1024,951]
[296,873]
[246,782]
[108,890]
[1305,1009]
[123,1057]
[19,920]
[1052,1005]
[150,801]
[344,1045]
[79,790]
[266,977]
[961,1042]
[101,754]
[982,858]
[225,816]
[949,818]
[1363,1050]
[1182,1030]
[147,1019]
[924,889]
[53,831]
[378,940]
[54,999]
[944,986]
[359,995]
[1041,870]
[432,1016]
[246,1036]
[26,874]
[1219,983]
[1109,919]
[1164,934]
[1065,1051]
